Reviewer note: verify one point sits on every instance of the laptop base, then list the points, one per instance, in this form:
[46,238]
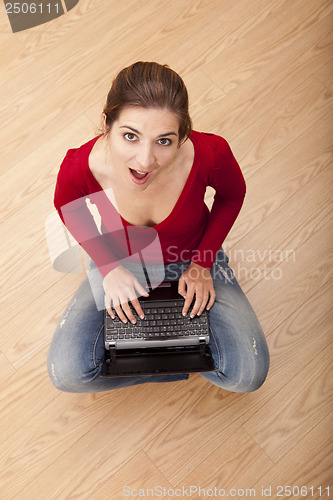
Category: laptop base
[150,361]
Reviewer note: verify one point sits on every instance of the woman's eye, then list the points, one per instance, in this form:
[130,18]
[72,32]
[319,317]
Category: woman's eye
[129,136]
[164,141]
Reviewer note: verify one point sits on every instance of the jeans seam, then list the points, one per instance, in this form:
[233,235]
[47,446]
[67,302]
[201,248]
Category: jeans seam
[217,348]
[93,346]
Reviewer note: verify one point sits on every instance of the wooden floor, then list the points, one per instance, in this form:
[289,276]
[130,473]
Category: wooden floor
[259,73]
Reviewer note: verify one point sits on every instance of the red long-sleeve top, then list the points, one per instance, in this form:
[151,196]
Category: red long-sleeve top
[190,232]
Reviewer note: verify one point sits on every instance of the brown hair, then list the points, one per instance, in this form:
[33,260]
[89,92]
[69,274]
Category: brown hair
[149,85]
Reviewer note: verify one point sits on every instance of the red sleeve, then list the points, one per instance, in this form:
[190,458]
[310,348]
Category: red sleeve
[70,198]
[228,181]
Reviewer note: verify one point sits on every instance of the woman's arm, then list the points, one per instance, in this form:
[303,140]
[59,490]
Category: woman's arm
[79,221]
[228,181]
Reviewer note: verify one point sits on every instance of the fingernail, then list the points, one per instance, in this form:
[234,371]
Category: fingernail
[184,314]
[192,316]
[133,321]
[124,320]
[142,316]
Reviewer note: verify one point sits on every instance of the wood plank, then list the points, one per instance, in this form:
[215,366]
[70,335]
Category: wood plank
[307,331]
[188,441]
[223,30]
[295,282]
[296,335]
[6,369]
[5,28]
[42,440]
[29,391]
[38,170]
[13,54]
[260,94]
[258,256]
[275,183]
[325,75]
[29,268]
[221,470]
[281,125]
[139,475]
[243,60]
[308,463]
[295,409]
[98,448]
[36,321]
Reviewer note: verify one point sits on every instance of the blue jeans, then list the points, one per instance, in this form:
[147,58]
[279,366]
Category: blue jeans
[237,342]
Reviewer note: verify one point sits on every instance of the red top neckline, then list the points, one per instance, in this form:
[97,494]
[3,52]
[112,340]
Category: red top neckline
[183,194]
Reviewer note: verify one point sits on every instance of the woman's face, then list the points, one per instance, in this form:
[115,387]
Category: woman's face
[142,144]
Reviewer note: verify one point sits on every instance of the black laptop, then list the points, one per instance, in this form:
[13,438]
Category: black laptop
[164,342]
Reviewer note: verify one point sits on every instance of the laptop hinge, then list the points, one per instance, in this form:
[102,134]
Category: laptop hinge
[202,340]
[112,351]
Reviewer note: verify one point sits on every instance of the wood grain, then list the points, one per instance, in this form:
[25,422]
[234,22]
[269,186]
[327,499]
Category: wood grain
[120,431]
[308,463]
[305,283]
[295,409]
[238,453]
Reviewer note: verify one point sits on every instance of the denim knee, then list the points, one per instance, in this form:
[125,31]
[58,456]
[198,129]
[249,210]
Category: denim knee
[251,376]
[67,374]
[240,380]
[241,361]
[256,377]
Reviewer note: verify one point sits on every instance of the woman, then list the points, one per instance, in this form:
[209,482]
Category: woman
[150,169]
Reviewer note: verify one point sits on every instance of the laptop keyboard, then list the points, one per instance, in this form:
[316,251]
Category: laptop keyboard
[162,320]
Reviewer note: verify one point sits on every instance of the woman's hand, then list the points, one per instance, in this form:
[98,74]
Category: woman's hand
[196,280]
[119,287]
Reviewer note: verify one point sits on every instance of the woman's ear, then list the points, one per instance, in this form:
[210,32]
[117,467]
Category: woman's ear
[105,129]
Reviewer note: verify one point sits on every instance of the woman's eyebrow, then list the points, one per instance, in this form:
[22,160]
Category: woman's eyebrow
[131,128]
[168,133]
[139,133]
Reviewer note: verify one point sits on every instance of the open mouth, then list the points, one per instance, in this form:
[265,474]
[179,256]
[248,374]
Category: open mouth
[138,176]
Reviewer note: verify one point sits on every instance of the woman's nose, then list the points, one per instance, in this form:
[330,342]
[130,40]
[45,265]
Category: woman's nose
[145,157]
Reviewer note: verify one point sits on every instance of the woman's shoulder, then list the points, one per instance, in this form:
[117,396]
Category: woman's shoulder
[209,140]
[81,153]
[214,153]
[211,150]
[75,162]
[73,179]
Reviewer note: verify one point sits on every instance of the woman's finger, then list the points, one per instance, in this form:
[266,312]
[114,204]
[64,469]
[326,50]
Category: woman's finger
[188,300]
[107,303]
[203,303]
[128,311]
[181,287]
[137,306]
[199,298]
[119,311]
[139,288]
[211,299]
